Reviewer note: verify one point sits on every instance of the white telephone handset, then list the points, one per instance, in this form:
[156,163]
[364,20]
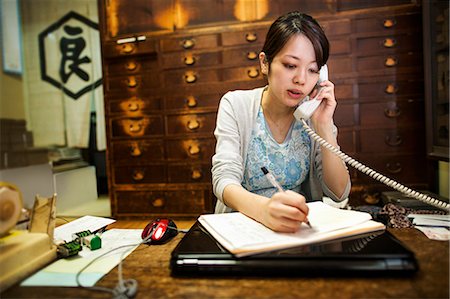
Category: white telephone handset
[304,112]
[307,108]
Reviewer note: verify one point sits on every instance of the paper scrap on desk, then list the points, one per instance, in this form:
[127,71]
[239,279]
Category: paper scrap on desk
[430,222]
[435,233]
[63,272]
[92,223]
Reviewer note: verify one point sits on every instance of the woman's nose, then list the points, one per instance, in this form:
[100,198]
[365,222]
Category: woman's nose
[299,78]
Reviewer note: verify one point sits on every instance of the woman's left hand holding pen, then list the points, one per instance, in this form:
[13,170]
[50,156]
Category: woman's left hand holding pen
[285,211]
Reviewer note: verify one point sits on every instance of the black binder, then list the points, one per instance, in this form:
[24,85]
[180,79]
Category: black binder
[380,253]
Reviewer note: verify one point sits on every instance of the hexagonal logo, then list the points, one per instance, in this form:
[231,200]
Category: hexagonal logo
[67,56]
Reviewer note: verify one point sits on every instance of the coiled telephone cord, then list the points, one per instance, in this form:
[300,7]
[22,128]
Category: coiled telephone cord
[376,175]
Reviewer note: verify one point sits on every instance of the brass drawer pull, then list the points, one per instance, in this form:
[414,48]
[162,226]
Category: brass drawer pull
[132,107]
[391,89]
[131,82]
[135,151]
[196,174]
[389,23]
[251,37]
[130,65]
[128,48]
[135,127]
[158,203]
[390,62]
[188,44]
[252,55]
[190,77]
[191,102]
[253,73]
[189,60]
[138,175]
[396,168]
[393,141]
[193,124]
[392,113]
[194,150]
[389,42]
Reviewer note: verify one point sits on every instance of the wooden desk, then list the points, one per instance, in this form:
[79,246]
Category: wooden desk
[149,265]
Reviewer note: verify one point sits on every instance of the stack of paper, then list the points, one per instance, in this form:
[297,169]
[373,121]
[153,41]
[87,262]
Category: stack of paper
[244,236]
[435,227]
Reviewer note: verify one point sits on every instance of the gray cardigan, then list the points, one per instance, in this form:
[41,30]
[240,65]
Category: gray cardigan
[235,120]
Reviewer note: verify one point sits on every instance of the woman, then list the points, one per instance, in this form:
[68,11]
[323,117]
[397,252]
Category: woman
[256,128]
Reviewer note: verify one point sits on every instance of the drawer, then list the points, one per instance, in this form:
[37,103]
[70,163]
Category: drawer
[242,56]
[342,45]
[163,202]
[340,64]
[247,37]
[132,83]
[189,173]
[140,174]
[190,59]
[405,169]
[390,87]
[134,106]
[131,65]
[390,62]
[242,73]
[191,123]
[336,27]
[128,49]
[192,101]
[392,140]
[344,115]
[137,127]
[137,152]
[200,149]
[191,77]
[207,41]
[387,44]
[389,23]
[391,113]
[347,141]
[342,90]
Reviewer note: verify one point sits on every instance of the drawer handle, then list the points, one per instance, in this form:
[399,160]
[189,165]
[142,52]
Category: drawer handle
[390,62]
[132,107]
[191,102]
[389,42]
[389,23]
[130,66]
[158,203]
[188,44]
[189,60]
[135,127]
[127,48]
[138,175]
[252,55]
[135,151]
[194,150]
[193,124]
[392,113]
[190,77]
[196,174]
[131,82]
[393,141]
[391,89]
[251,37]
[253,73]
[396,168]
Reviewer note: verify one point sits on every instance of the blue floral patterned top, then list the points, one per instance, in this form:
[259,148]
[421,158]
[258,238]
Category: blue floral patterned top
[288,162]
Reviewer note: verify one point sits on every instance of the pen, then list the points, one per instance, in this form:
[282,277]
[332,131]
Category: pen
[277,185]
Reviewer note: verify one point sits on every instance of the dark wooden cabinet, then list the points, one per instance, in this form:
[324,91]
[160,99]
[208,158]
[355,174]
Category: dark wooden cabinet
[165,70]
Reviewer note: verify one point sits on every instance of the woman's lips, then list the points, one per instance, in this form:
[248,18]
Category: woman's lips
[295,94]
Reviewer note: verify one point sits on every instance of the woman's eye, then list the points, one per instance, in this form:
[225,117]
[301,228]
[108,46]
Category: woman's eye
[289,66]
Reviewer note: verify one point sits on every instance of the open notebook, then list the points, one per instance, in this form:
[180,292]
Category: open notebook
[243,236]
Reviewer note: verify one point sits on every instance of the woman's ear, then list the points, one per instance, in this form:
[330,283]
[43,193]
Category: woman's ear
[264,63]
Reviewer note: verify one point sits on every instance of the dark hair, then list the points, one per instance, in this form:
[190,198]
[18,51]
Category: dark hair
[294,23]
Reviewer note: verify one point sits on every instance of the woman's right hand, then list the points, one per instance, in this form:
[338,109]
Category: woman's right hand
[285,211]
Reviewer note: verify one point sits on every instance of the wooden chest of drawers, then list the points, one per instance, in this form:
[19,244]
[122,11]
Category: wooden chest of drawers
[162,92]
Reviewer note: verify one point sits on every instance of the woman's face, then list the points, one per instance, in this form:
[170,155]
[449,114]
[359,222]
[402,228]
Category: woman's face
[293,72]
